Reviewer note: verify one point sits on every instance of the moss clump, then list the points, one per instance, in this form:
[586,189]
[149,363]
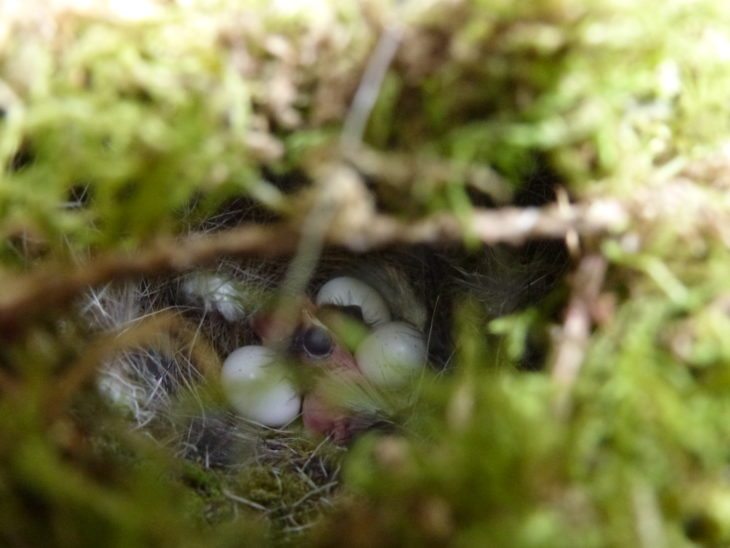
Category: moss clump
[121,125]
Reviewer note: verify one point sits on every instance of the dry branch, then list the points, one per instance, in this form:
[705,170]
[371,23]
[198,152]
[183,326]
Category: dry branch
[573,340]
[51,287]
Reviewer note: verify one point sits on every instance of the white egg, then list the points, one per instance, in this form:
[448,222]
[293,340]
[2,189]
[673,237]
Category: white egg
[392,354]
[258,388]
[346,291]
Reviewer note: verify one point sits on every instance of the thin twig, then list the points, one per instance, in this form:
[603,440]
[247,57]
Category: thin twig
[313,492]
[369,89]
[401,170]
[571,347]
[241,500]
[51,286]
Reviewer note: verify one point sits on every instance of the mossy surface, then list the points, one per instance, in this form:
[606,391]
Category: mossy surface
[127,124]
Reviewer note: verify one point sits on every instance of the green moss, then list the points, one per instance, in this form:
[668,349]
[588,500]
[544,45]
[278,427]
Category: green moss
[116,131]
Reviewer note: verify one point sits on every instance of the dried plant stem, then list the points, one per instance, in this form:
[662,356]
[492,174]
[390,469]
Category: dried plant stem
[49,287]
[367,92]
[575,333]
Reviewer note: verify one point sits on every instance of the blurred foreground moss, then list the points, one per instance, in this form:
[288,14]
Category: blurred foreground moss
[120,126]
[66,485]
